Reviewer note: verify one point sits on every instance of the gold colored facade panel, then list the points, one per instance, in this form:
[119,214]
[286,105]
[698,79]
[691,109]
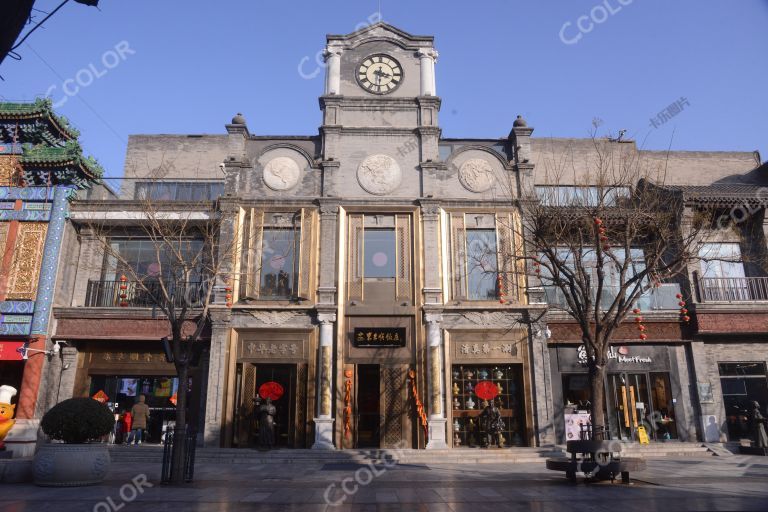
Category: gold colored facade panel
[27,258]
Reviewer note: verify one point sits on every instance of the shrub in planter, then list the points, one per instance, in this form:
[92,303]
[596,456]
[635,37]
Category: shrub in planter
[77,461]
[78,420]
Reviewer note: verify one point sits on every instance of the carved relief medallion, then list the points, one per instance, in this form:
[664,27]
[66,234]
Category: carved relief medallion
[379,174]
[281,173]
[476,175]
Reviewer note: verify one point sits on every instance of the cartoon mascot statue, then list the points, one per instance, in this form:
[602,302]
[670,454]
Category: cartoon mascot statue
[6,412]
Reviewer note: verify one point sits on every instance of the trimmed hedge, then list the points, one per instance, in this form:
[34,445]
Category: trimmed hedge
[78,420]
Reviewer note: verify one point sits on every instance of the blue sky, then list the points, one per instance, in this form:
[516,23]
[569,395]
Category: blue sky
[187,67]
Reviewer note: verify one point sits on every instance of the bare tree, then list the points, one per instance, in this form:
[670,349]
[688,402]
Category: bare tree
[189,249]
[602,237]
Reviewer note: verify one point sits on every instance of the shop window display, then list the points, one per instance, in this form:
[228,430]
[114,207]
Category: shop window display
[468,406]
[123,392]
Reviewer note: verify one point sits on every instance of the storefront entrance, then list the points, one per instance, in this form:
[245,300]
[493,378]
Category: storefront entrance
[159,392]
[251,378]
[368,418]
[640,399]
[468,406]
[743,383]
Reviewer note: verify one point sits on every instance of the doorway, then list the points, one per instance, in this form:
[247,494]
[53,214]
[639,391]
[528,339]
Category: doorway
[251,377]
[368,406]
[641,399]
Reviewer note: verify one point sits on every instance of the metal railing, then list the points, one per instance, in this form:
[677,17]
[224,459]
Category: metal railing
[189,435]
[655,299]
[732,289]
[110,294]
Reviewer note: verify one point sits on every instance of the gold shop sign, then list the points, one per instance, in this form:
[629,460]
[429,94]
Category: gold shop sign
[377,337]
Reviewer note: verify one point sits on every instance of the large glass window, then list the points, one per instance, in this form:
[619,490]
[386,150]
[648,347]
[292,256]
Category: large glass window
[279,263]
[178,190]
[379,256]
[482,266]
[580,196]
[148,259]
[611,271]
[468,406]
[721,260]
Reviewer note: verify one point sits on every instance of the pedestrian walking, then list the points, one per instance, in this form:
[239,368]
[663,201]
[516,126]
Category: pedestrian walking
[139,419]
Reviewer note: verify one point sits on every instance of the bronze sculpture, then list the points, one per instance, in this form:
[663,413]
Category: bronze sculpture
[492,424]
[267,413]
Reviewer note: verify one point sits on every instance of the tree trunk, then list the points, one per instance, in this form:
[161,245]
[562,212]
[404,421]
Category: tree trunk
[597,384]
[178,455]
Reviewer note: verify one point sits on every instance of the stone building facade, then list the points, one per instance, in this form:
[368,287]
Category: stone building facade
[378,278]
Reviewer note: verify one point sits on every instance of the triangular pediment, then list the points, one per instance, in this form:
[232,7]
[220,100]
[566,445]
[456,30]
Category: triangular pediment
[381,31]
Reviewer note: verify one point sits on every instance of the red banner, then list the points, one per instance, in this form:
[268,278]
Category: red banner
[9,350]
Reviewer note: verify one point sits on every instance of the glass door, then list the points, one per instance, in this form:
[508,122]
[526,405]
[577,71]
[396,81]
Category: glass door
[628,404]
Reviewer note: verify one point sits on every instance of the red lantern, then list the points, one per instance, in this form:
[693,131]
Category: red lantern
[636,311]
[271,390]
[678,296]
[686,318]
[643,337]
[681,304]
[641,328]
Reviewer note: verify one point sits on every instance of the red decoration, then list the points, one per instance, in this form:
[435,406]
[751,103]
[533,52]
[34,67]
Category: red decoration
[173,399]
[643,337]
[419,406]
[486,390]
[100,396]
[271,390]
[678,296]
[636,311]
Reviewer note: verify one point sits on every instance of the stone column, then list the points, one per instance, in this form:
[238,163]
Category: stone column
[68,373]
[324,419]
[217,378]
[541,379]
[427,57]
[437,421]
[332,70]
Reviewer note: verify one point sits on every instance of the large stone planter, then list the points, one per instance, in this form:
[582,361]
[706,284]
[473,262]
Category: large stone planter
[69,465]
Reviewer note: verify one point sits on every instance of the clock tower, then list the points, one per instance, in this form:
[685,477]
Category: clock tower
[380,113]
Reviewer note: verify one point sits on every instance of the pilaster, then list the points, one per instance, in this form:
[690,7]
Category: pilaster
[217,377]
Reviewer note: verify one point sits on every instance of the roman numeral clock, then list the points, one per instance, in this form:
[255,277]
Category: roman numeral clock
[379,74]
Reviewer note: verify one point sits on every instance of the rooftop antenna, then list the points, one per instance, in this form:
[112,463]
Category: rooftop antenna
[381,16]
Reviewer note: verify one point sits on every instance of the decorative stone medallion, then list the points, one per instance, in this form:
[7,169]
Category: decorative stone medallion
[379,174]
[281,173]
[476,175]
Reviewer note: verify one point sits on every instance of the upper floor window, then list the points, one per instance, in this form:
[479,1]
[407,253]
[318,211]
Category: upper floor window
[580,196]
[145,259]
[379,258]
[484,265]
[612,278]
[378,250]
[721,260]
[276,253]
[179,190]
[279,263]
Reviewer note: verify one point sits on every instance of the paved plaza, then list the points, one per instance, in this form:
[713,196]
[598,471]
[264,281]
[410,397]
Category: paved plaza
[712,483]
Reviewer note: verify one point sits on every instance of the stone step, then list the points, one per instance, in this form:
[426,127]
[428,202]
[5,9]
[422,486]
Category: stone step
[243,456]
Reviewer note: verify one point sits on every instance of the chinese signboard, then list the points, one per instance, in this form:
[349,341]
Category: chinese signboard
[376,337]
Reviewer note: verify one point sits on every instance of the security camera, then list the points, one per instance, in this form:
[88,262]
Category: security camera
[57,346]
[222,167]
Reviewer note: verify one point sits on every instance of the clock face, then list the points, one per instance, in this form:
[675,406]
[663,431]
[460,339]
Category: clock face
[379,74]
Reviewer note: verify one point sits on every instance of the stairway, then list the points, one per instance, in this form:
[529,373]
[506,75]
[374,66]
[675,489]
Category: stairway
[664,449]
[147,453]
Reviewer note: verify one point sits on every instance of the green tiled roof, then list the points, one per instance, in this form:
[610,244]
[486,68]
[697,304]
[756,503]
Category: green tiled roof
[69,154]
[40,108]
